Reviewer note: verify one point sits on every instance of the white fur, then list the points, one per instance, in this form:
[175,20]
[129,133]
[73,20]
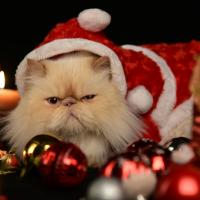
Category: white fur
[179,123]
[61,46]
[102,124]
[94,20]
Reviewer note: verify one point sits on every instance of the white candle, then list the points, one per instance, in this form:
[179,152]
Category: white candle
[8,98]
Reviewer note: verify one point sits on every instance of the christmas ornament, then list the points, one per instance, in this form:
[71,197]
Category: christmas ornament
[63,164]
[136,176]
[116,167]
[151,78]
[106,189]
[182,183]
[183,155]
[141,145]
[3,153]
[140,184]
[9,163]
[159,158]
[152,154]
[36,146]
[175,143]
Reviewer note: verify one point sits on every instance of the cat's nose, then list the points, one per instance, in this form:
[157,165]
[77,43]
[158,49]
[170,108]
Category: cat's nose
[69,101]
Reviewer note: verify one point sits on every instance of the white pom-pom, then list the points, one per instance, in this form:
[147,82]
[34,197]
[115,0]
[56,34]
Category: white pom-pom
[183,155]
[94,19]
[140,99]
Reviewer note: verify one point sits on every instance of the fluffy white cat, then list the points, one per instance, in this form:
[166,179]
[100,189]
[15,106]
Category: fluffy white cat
[72,96]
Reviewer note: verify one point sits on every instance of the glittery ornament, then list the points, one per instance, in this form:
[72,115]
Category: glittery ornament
[136,176]
[3,153]
[142,144]
[9,163]
[159,158]
[182,183]
[175,143]
[63,164]
[152,154]
[184,154]
[106,189]
[36,146]
[117,166]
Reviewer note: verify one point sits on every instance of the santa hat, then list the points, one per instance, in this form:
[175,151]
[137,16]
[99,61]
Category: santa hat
[142,76]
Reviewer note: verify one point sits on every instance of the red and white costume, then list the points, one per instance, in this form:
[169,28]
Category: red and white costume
[153,78]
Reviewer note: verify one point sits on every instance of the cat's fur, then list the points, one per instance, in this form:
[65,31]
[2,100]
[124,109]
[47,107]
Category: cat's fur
[99,126]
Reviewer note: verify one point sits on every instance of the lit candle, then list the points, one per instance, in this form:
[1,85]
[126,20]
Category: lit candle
[8,98]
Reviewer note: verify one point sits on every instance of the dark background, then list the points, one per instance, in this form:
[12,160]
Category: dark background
[24,25]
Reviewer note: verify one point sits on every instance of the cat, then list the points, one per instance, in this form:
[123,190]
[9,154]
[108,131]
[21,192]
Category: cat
[72,96]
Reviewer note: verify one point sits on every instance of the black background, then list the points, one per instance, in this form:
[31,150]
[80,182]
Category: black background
[23,25]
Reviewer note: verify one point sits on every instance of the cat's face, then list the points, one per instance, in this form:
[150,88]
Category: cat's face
[73,97]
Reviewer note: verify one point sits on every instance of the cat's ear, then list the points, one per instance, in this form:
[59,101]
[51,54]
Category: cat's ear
[35,68]
[103,64]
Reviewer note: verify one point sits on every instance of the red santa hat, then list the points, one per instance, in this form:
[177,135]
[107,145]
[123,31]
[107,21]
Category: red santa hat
[142,76]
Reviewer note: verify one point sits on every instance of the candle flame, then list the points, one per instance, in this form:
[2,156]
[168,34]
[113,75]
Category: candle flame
[2,79]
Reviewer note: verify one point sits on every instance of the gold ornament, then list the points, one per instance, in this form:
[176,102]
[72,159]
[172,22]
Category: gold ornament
[9,162]
[36,146]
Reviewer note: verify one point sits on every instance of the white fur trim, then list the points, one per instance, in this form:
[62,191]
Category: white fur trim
[179,122]
[167,99]
[183,155]
[94,20]
[140,98]
[61,46]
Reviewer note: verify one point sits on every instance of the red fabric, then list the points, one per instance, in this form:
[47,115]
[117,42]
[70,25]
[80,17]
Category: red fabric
[135,63]
[139,69]
[180,58]
[71,29]
[152,131]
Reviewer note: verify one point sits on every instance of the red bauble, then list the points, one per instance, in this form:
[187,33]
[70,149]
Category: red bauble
[155,155]
[141,145]
[159,158]
[176,143]
[63,164]
[182,183]
[137,178]
[124,165]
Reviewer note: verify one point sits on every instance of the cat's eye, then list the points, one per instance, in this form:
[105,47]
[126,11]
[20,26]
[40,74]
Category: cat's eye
[88,97]
[53,100]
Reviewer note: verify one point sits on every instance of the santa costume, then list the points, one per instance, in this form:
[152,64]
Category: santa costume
[153,78]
